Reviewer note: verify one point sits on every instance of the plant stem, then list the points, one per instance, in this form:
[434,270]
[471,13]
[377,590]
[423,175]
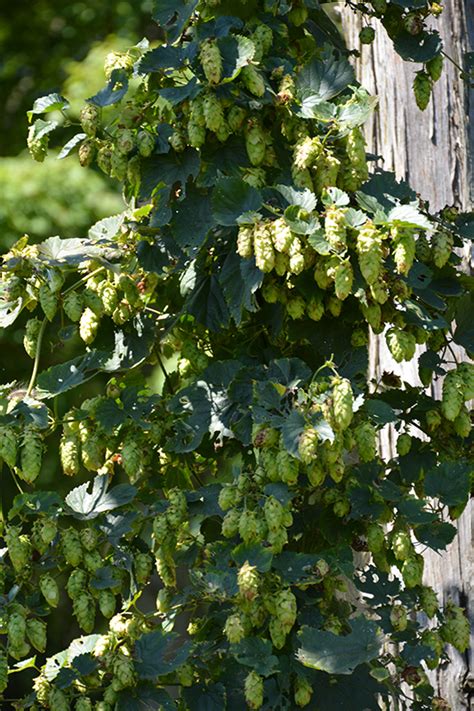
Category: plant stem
[37,357]
[82,280]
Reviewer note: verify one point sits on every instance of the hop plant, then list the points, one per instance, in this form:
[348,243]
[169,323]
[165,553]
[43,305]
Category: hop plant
[8,446]
[49,589]
[354,169]
[303,691]
[245,242]
[453,395]
[90,119]
[429,601]
[401,344]
[422,87]
[132,457]
[287,467]
[3,672]
[83,606]
[31,455]
[123,671]
[455,629]
[375,538]
[254,690]
[230,523]
[404,248]
[343,402]
[71,547]
[370,250]
[255,142]
[213,112]
[88,326]
[211,61]
[30,339]
[253,80]
[343,278]
[286,608]
[399,618]
[441,247]
[282,236]
[335,227]
[412,570]
[308,445]
[69,453]
[234,629]
[248,581]
[36,631]
[365,436]
[263,247]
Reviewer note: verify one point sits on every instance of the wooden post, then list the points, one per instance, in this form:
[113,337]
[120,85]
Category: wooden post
[434,151]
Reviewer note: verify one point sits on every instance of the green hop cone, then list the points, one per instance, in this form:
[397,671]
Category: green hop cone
[123,671]
[132,457]
[274,513]
[19,548]
[367,35]
[196,134]
[466,372]
[303,691]
[412,570]
[343,279]
[248,526]
[296,307]
[399,618]
[245,241]
[92,561]
[343,402]
[107,603]
[422,87]
[73,306]
[282,236]
[306,153]
[248,581]
[375,538]
[69,453]
[423,248]
[86,153]
[434,67]
[286,608]
[89,119]
[30,339]
[287,467]
[453,395]
[211,61]
[83,606]
[49,589]
[401,545]
[89,538]
[234,629]
[108,295]
[36,633]
[308,445]
[404,249]
[455,629]
[315,308]
[104,159]
[354,171]
[228,497]
[76,583]
[429,601]
[16,629]
[166,568]
[145,143]
[58,700]
[462,423]
[48,530]
[41,687]
[370,250]
[255,142]
[88,326]
[48,301]
[236,118]
[262,38]
[92,448]
[71,547]
[124,140]
[263,247]
[442,244]
[277,633]
[230,523]
[365,436]
[31,455]
[8,446]
[213,112]
[401,344]
[335,227]
[404,443]
[253,80]
[254,690]
[143,566]
[83,703]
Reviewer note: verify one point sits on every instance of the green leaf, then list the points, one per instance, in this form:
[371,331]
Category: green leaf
[357,110]
[335,654]
[66,376]
[323,79]
[449,482]
[292,428]
[335,196]
[168,169]
[70,145]
[411,4]
[236,52]
[173,15]
[305,199]
[43,128]
[207,303]
[178,94]
[47,502]
[86,506]
[45,104]
[232,197]
[437,535]
[58,252]
[157,653]
[144,698]
[9,312]
[255,653]
[410,216]
[255,555]
[205,698]
[240,279]
[114,92]
[379,412]
[106,229]
[161,58]
[418,48]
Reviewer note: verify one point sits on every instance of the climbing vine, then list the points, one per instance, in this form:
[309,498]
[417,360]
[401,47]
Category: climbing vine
[227,464]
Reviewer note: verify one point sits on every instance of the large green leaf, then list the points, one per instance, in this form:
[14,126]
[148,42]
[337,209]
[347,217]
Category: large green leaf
[323,79]
[144,697]
[173,15]
[45,104]
[449,482]
[114,92]
[86,506]
[205,698]
[232,198]
[255,653]
[418,48]
[157,653]
[236,52]
[336,654]
[240,279]
[59,252]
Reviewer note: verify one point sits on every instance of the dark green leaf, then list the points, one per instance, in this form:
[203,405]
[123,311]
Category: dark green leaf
[157,653]
[109,414]
[232,198]
[255,555]
[105,578]
[47,502]
[255,653]
[410,216]
[87,505]
[335,654]
[240,279]
[175,95]
[71,144]
[437,535]
[236,51]
[418,48]
[168,169]
[144,698]
[380,412]
[292,428]
[449,482]
[205,698]
[207,303]
[115,90]
[173,15]
[66,376]
[192,219]
[161,58]
[322,79]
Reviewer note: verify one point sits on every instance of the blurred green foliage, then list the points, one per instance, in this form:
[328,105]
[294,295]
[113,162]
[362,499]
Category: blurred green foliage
[54,197]
[35,39]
